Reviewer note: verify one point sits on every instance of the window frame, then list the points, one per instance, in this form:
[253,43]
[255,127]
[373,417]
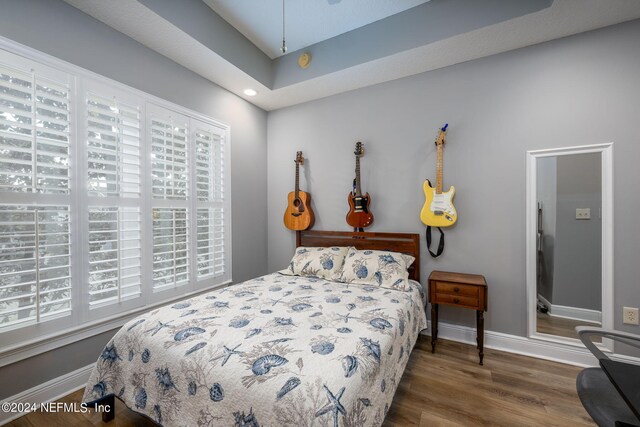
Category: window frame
[23,342]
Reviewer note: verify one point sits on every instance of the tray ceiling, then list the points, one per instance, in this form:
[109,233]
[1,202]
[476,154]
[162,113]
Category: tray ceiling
[221,41]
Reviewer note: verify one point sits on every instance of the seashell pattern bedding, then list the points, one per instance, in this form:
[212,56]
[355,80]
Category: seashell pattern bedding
[273,351]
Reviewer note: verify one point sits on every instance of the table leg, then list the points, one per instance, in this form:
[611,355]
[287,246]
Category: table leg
[480,330]
[434,326]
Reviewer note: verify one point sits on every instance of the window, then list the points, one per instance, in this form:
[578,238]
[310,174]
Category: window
[110,199]
[169,136]
[210,190]
[112,139]
[115,271]
[170,247]
[35,233]
[35,266]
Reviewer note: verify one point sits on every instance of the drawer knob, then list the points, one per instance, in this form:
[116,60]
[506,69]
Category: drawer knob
[456,301]
[456,289]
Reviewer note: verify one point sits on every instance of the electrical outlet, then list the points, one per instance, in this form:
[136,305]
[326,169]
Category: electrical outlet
[630,315]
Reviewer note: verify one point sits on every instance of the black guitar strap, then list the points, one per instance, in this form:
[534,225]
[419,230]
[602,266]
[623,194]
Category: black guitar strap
[440,244]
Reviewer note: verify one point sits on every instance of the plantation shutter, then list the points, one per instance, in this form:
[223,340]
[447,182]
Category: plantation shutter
[35,225]
[170,247]
[170,175]
[113,142]
[114,254]
[169,151]
[35,263]
[108,201]
[113,147]
[34,133]
[210,184]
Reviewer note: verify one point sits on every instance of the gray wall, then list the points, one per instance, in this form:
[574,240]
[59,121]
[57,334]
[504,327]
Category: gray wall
[58,29]
[578,90]
[546,188]
[578,243]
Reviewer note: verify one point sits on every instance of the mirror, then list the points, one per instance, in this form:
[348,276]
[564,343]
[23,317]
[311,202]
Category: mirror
[569,248]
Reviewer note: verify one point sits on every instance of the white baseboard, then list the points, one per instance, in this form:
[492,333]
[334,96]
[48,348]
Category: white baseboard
[48,392]
[575,313]
[569,354]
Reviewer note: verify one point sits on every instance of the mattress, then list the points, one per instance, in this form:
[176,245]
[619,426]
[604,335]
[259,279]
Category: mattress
[273,351]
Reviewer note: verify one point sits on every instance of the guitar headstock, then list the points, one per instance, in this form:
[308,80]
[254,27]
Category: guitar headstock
[299,158]
[359,151]
[442,135]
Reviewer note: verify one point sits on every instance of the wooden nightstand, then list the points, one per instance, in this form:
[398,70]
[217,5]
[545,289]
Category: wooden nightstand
[461,290]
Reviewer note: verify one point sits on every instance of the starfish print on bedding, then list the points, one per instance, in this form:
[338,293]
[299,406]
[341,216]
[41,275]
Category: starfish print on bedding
[346,317]
[276,301]
[333,406]
[227,354]
[157,328]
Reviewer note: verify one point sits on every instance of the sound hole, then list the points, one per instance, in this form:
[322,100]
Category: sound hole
[297,203]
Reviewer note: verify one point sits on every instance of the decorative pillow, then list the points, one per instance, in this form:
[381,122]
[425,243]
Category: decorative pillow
[380,268]
[317,262]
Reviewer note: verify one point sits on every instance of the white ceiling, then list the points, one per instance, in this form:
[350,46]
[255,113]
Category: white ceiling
[562,18]
[306,22]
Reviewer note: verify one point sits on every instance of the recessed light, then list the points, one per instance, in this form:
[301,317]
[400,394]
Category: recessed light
[250,92]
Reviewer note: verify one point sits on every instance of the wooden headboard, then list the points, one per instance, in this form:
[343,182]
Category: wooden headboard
[406,243]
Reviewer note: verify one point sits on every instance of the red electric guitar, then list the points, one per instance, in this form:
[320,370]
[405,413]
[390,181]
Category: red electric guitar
[359,215]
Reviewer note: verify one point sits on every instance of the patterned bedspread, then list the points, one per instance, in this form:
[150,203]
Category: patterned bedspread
[273,351]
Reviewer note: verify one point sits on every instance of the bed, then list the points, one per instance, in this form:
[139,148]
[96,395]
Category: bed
[277,350]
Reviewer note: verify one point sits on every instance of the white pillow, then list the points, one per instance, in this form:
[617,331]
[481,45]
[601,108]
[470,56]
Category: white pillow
[380,268]
[317,262]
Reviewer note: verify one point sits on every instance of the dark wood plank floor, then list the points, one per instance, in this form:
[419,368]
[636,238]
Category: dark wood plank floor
[562,327]
[447,388]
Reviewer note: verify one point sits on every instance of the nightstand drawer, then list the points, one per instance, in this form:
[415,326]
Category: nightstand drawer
[467,301]
[456,289]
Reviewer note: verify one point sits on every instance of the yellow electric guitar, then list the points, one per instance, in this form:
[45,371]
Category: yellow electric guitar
[438,210]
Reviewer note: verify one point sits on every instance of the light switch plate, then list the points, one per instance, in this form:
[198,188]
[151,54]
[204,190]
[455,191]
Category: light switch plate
[583,213]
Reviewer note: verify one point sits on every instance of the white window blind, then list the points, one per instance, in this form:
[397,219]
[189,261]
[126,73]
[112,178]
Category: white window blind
[209,164]
[169,152]
[35,225]
[170,247]
[210,185]
[34,133]
[113,147]
[211,246]
[115,271]
[114,172]
[35,263]
[110,199]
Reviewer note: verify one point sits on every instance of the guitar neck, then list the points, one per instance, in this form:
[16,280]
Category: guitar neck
[439,161]
[297,179]
[358,190]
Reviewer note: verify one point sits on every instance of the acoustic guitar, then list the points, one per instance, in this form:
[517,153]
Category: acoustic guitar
[359,215]
[298,215]
[438,209]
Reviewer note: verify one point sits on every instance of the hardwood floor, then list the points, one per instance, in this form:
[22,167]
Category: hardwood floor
[560,326]
[447,388]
